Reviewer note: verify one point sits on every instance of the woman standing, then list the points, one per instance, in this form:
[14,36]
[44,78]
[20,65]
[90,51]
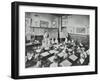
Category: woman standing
[46,41]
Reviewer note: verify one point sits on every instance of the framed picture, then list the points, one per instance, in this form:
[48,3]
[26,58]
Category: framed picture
[68,49]
[81,30]
[44,24]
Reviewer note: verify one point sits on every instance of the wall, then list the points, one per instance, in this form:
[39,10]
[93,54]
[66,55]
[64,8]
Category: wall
[5,41]
[78,26]
[37,17]
[34,24]
[77,22]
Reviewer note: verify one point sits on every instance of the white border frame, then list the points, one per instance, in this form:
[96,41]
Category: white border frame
[39,71]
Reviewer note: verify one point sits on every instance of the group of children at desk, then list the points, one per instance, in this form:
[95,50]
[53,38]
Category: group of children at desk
[57,53]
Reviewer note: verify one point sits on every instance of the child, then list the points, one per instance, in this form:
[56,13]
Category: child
[29,59]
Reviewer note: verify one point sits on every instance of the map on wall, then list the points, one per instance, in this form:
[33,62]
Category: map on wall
[44,24]
[80,30]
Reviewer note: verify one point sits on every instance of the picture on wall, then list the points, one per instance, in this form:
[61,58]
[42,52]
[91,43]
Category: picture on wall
[81,30]
[53,40]
[44,24]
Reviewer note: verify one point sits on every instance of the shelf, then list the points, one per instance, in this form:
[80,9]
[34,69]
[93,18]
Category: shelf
[44,27]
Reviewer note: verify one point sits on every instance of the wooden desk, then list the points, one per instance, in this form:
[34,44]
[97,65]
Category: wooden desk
[65,63]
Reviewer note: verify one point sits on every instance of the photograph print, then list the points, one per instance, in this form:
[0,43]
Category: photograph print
[56,40]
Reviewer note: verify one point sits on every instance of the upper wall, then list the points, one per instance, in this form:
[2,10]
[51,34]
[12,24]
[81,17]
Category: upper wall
[77,24]
[37,17]
[78,20]
[35,24]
